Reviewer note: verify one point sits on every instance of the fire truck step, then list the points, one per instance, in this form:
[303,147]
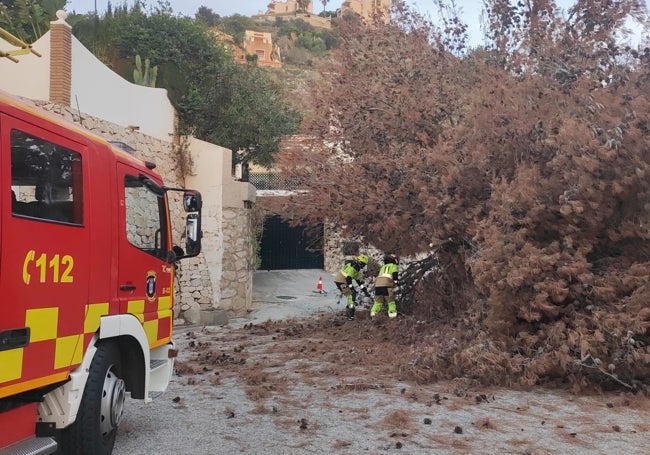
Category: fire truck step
[160,370]
[32,446]
[155,364]
[154,394]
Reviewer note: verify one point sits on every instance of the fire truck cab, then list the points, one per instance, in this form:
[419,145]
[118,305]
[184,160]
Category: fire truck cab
[87,280]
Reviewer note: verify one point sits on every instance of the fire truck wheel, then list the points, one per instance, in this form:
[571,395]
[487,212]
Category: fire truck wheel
[100,411]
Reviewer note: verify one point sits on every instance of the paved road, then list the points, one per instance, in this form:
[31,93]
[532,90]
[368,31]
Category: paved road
[311,391]
[161,426]
[281,294]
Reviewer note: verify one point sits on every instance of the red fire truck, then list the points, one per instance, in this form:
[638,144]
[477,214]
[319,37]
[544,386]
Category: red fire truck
[87,279]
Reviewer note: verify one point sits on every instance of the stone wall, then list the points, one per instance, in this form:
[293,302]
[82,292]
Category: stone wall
[193,289]
[332,250]
[238,260]
[226,226]
[337,249]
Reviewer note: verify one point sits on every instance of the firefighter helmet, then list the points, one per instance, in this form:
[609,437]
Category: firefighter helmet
[363,259]
[391,258]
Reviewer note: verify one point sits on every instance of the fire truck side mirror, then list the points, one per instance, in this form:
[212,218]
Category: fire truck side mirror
[192,204]
[192,201]
[193,235]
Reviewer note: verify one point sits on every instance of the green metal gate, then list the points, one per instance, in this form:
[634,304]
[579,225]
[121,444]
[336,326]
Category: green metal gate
[285,248]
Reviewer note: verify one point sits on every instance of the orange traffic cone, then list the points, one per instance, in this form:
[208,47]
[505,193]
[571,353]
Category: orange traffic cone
[319,286]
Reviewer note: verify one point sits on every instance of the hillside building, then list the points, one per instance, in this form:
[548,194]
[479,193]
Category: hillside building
[255,43]
[367,9]
[287,7]
[290,10]
[261,45]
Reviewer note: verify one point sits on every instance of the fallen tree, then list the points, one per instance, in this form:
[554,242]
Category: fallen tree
[520,171]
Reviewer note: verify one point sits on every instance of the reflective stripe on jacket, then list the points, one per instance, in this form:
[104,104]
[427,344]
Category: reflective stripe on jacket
[387,276]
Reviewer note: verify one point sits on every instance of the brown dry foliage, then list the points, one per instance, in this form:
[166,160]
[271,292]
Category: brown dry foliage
[521,169]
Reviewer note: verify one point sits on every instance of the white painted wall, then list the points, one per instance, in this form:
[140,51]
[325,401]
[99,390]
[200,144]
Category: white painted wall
[100,92]
[30,77]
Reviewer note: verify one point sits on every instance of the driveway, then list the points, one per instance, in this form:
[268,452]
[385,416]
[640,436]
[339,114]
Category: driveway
[284,294]
[295,377]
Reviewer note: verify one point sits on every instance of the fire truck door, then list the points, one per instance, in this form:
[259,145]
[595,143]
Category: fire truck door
[144,275]
[44,262]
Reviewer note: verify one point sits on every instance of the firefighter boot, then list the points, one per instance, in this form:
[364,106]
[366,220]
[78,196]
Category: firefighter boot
[392,310]
[376,308]
[349,313]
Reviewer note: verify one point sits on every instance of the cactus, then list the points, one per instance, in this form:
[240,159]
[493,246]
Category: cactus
[146,77]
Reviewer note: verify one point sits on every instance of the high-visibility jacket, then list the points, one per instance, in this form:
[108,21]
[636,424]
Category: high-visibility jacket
[351,271]
[387,276]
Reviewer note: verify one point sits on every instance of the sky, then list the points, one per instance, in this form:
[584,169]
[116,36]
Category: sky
[469,9]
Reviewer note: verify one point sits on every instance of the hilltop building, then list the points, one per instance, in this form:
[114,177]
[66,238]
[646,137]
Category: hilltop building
[290,10]
[287,7]
[367,9]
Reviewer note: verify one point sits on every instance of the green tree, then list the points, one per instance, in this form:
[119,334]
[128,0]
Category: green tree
[313,43]
[29,19]
[207,16]
[324,3]
[236,26]
[290,27]
[301,34]
[251,115]
[218,100]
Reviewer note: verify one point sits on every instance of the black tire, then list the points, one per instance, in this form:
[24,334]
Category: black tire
[100,411]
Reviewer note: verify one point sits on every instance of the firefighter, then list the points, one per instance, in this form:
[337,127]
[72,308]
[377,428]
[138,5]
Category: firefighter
[343,280]
[385,287]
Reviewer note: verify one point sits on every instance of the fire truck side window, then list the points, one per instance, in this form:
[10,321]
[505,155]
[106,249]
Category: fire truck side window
[46,180]
[145,218]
